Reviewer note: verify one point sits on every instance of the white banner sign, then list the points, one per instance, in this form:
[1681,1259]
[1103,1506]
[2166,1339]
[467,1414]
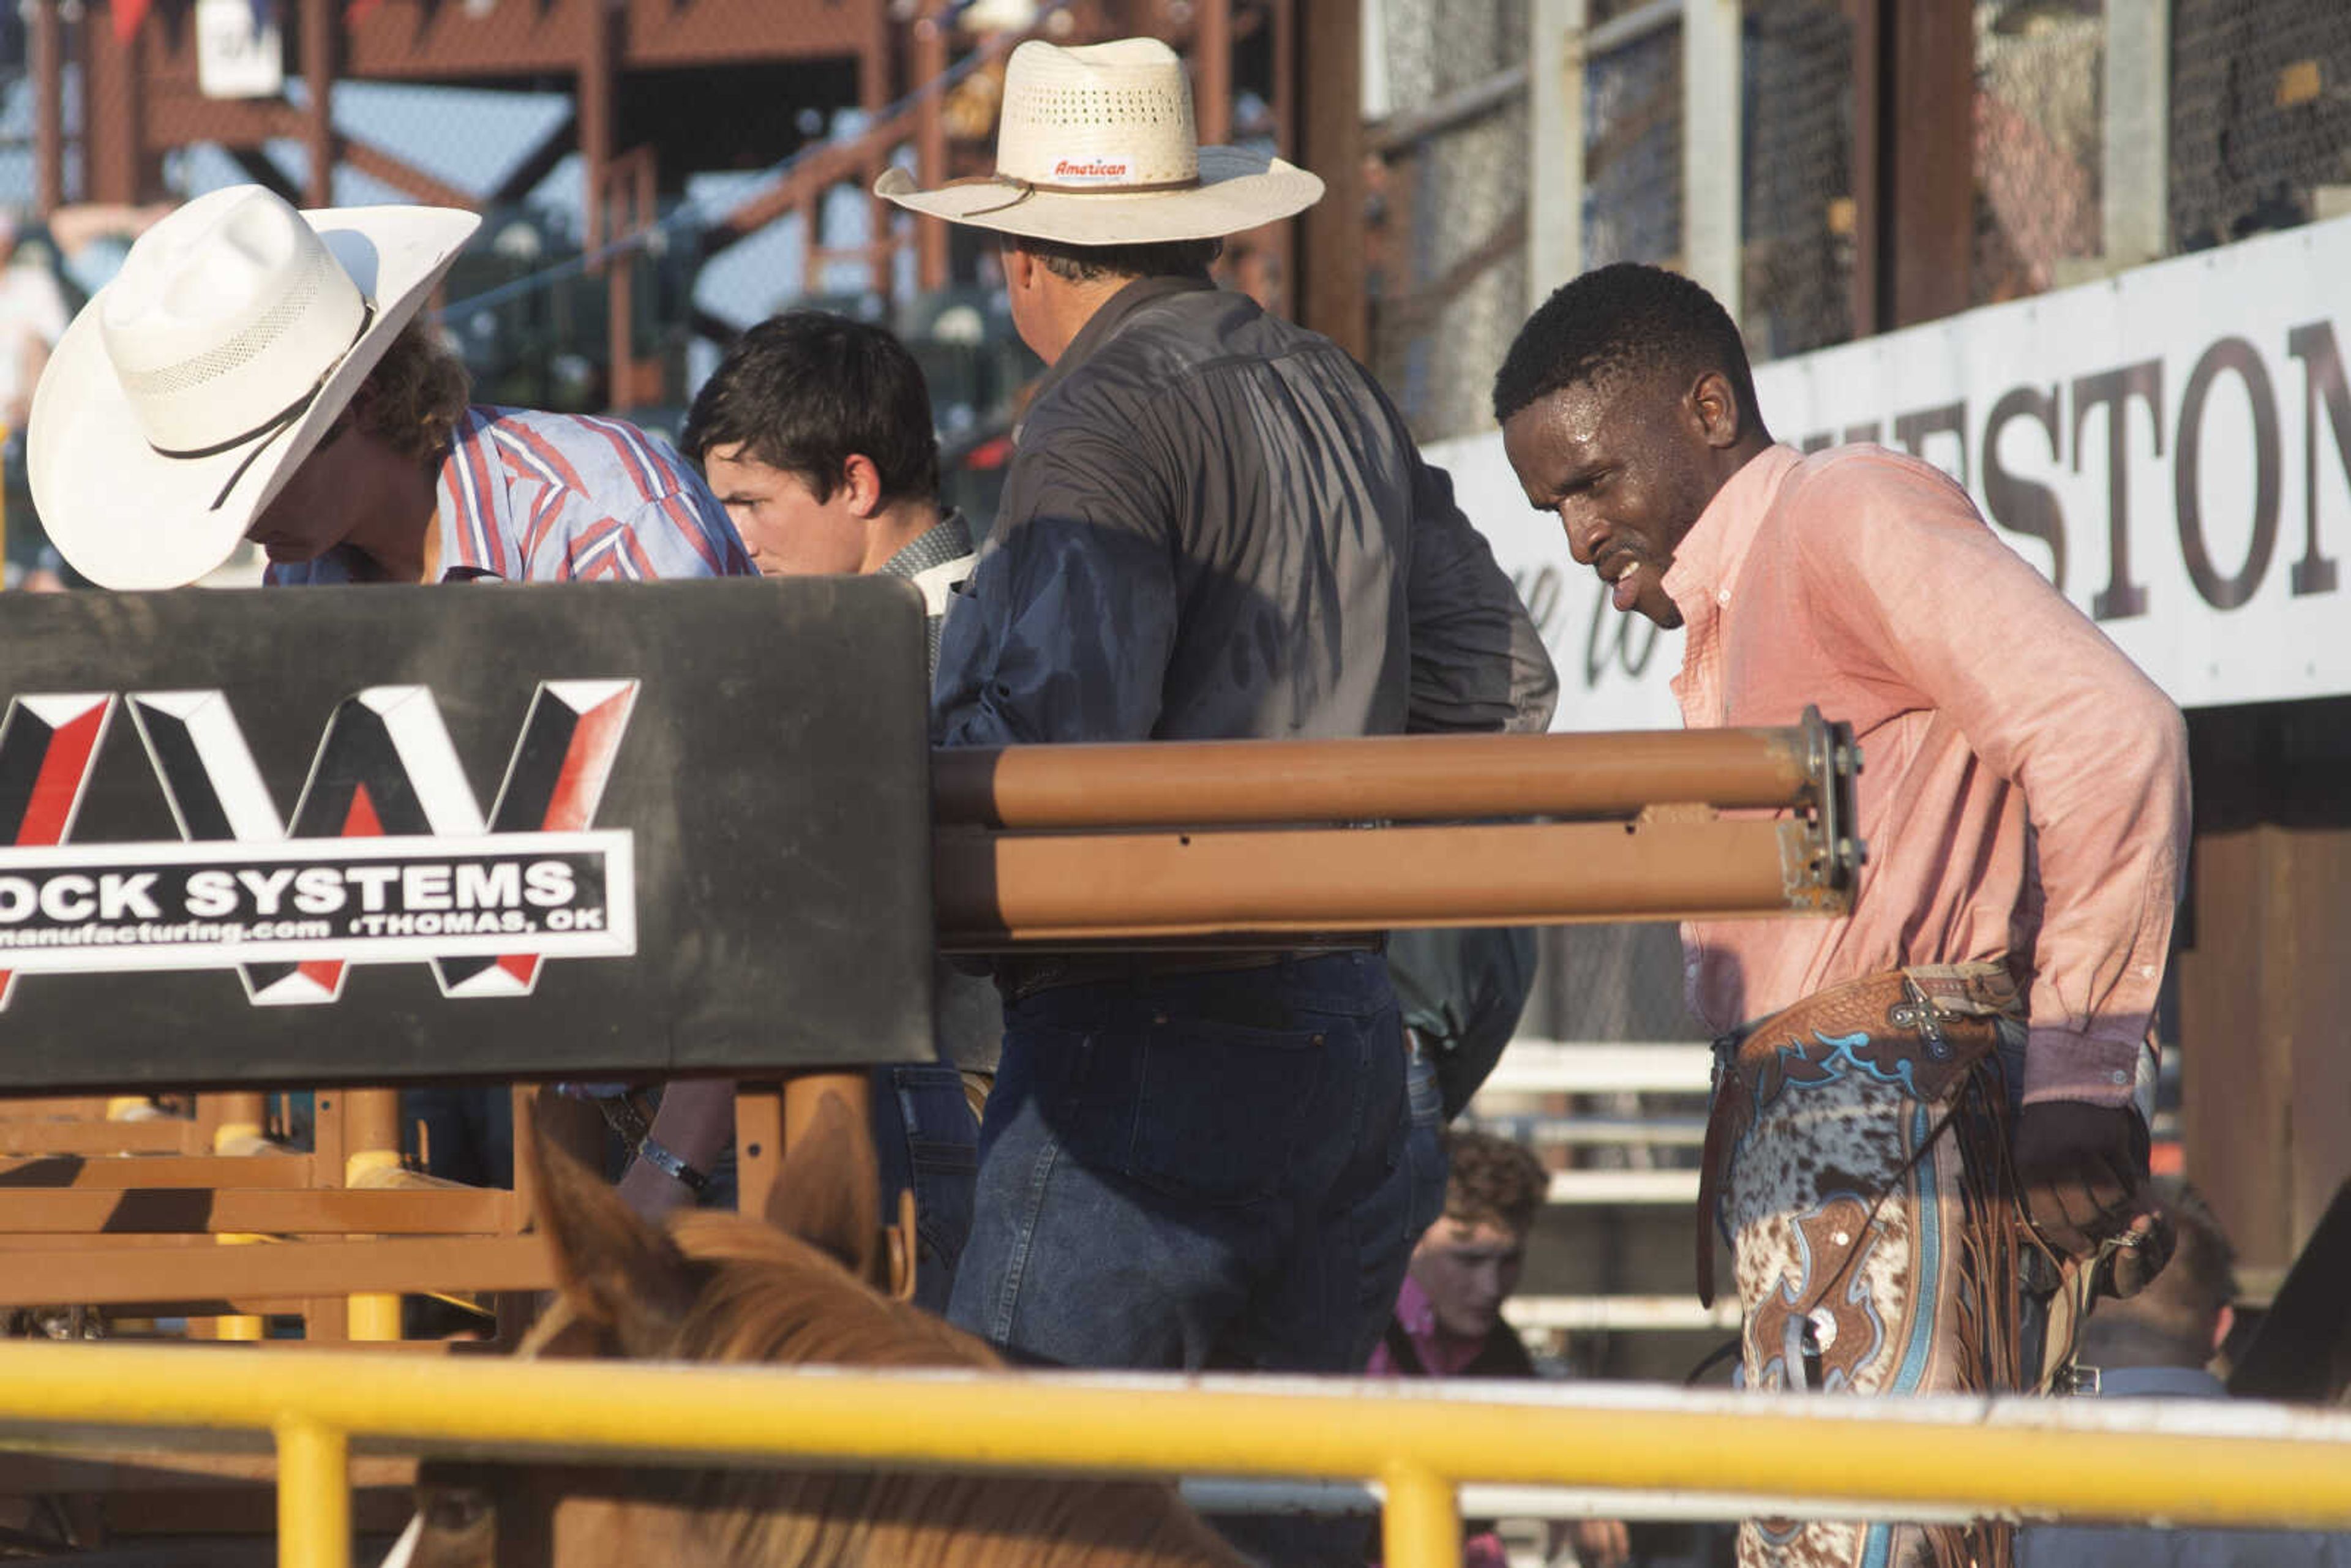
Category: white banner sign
[240,53]
[2172,447]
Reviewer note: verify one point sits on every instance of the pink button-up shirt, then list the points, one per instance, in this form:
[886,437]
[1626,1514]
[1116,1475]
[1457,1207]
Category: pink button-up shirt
[2024,787]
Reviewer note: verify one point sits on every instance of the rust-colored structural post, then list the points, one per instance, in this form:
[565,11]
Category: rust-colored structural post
[1914,140]
[1212,71]
[1284,237]
[873,96]
[1329,281]
[931,261]
[48,108]
[599,111]
[321,21]
[114,129]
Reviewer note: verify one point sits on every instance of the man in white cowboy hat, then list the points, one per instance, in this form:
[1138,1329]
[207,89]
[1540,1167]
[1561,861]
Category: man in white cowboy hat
[1216,527]
[257,373]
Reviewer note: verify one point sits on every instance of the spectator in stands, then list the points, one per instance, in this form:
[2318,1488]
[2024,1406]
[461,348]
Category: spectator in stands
[2026,813]
[32,320]
[1449,1316]
[2159,1345]
[815,432]
[257,372]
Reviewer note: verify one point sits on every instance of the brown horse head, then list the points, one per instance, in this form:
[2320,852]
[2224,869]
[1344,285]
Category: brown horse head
[720,1286]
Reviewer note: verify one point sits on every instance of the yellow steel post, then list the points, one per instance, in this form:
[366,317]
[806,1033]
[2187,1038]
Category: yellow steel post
[314,1495]
[371,1148]
[1420,1524]
[239,1130]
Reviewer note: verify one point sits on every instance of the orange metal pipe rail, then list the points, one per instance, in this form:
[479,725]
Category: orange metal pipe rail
[994,890]
[1416,778]
[1240,843]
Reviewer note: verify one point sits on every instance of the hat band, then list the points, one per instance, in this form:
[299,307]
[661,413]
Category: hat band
[260,434]
[1024,189]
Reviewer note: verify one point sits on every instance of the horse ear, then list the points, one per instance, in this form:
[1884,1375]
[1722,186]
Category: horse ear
[615,1271]
[826,1189]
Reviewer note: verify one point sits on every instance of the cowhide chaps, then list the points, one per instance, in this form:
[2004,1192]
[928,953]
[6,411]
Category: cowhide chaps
[1856,1164]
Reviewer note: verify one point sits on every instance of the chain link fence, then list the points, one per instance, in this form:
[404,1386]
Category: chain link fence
[1451,291]
[1797,208]
[1633,145]
[2261,117]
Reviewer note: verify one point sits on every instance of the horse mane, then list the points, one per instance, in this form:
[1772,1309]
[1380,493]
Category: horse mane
[769,1297]
[715,1287]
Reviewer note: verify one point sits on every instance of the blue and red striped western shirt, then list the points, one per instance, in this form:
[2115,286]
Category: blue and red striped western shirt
[557,497]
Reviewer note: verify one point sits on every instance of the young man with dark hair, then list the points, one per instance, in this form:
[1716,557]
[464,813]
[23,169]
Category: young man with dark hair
[2025,808]
[815,432]
[1216,527]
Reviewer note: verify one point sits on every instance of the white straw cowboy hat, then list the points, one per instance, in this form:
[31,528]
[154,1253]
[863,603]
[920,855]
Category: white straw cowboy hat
[1097,146]
[186,391]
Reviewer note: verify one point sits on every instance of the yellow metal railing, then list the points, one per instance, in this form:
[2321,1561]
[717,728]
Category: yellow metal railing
[2168,1461]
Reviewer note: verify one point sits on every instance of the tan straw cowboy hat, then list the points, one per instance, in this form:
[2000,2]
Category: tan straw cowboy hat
[186,391]
[1097,146]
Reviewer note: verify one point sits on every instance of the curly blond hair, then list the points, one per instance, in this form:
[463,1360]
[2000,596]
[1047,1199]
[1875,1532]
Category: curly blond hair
[413,398]
[1493,1181]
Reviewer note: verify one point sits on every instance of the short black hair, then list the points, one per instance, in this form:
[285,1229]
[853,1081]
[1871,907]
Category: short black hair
[806,390]
[1093,262]
[2170,1322]
[1624,317]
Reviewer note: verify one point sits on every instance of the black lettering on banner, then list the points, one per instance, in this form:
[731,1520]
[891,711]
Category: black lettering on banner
[2113,390]
[1819,440]
[1606,622]
[1914,430]
[1869,431]
[2237,355]
[105,890]
[2019,506]
[2322,378]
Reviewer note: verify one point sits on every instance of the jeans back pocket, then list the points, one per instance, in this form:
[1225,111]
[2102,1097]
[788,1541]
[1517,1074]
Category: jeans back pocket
[1220,1108]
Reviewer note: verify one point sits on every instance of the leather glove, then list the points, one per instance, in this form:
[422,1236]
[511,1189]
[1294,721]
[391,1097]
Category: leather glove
[2081,1173]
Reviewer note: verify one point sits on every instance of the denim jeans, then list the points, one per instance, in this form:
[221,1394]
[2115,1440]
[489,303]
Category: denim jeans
[925,1139]
[1203,1169]
[1425,1145]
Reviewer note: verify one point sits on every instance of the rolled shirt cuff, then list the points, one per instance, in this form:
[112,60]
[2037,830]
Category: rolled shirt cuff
[2061,1065]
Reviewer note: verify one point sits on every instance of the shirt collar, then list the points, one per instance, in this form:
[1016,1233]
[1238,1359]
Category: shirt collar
[1415,1312]
[1113,315]
[1712,553]
[948,539]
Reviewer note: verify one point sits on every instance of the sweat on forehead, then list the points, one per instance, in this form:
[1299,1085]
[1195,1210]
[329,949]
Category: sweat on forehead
[1619,319]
